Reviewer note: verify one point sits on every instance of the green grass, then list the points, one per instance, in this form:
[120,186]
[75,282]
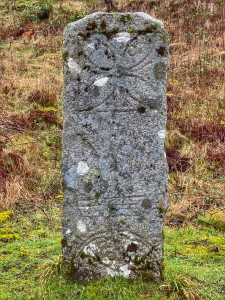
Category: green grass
[193,252]
[30,264]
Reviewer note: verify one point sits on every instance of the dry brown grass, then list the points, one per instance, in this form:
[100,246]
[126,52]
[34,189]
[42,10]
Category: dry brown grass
[181,287]
[31,83]
[195,104]
[45,91]
[30,95]
[16,193]
[30,121]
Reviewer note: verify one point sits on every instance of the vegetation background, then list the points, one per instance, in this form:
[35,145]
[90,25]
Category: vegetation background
[30,151]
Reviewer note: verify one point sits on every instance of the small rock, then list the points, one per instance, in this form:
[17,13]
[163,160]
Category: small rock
[215,249]
[4,240]
[4,252]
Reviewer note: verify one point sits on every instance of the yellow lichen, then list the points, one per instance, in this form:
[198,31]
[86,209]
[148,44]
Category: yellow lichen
[9,236]
[198,250]
[217,240]
[24,252]
[5,215]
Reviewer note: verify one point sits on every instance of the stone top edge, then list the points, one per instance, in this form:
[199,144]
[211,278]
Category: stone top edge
[99,15]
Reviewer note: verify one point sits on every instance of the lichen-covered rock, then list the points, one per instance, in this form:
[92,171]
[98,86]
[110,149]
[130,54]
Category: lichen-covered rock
[114,165]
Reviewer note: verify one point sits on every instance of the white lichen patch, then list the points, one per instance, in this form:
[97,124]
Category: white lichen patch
[124,271]
[73,67]
[129,236]
[70,177]
[90,250]
[82,168]
[106,261]
[91,45]
[68,231]
[122,37]
[101,81]
[81,226]
[112,272]
[162,134]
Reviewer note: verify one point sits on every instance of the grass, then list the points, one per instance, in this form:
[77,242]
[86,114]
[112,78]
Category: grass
[31,263]
[30,151]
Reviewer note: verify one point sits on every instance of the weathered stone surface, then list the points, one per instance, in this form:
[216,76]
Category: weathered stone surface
[114,165]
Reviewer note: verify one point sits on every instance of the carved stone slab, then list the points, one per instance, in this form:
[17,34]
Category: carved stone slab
[114,165]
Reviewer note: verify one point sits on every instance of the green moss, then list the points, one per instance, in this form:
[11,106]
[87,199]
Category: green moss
[123,222]
[123,19]
[128,18]
[69,268]
[146,203]
[103,26]
[164,38]
[131,30]
[85,35]
[161,51]
[152,28]
[65,55]
[98,258]
[107,33]
[92,25]
[161,210]
[162,270]
[161,207]
[97,195]
[139,260]
[148,276]
[63,242]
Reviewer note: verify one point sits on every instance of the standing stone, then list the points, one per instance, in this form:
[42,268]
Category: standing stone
[114,164]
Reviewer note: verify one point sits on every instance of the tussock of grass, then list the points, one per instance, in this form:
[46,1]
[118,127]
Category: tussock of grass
[215,219]
[181,287]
